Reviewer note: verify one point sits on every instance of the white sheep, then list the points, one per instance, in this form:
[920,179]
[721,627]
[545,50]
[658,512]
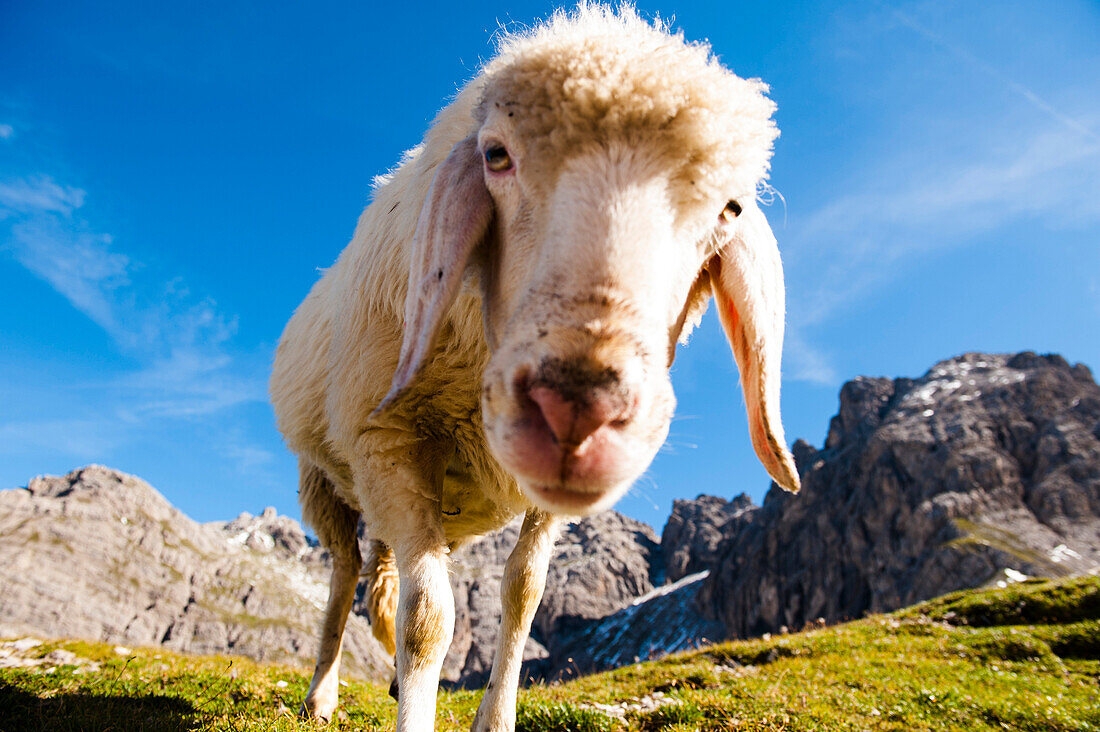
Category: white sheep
[496,337]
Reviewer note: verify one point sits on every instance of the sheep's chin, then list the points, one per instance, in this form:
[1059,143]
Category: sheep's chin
[567,502]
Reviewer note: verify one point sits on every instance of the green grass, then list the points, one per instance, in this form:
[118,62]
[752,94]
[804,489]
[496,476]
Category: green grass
[1022,658]
[537,716]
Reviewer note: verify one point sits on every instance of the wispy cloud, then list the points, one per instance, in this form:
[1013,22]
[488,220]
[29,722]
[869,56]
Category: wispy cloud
[972,61]
[251,462]
[7,132]
[187,366]
[1006,168]
[866,239]
[805,361]
[81,439]
[38,195]
[860,240]
[78,264]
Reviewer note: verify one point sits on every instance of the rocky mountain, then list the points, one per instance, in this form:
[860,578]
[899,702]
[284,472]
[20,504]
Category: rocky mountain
[664,620]
[987,466]
[99,554]
[984,470]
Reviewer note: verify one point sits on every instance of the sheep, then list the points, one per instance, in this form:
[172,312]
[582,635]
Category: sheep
[496,338]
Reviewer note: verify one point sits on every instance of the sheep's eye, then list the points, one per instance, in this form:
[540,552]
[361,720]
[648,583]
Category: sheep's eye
[731,211]
[497,159]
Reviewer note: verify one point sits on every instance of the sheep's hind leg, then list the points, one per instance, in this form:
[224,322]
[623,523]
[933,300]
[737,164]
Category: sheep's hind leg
[521,592]
[381,593]
[336,525]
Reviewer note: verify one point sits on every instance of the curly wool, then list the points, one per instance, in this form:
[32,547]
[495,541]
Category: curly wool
[595,75]
[588,76]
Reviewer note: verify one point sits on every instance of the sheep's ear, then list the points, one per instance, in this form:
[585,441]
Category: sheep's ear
[747,279]
[453,220]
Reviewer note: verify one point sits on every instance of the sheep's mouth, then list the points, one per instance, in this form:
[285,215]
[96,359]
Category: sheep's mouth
[568,499]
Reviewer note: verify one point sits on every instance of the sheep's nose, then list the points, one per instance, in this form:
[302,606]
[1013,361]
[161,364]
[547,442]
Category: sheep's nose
[571,422]
[576,407]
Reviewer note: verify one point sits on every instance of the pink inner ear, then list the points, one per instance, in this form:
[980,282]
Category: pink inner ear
[734,320]
[747,280]
[731,321]
[758,429]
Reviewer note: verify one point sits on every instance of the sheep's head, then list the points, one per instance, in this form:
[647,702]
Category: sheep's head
[610,189]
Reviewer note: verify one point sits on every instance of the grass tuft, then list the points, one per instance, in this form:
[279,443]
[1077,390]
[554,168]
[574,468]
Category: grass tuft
[561,717]
[673,716]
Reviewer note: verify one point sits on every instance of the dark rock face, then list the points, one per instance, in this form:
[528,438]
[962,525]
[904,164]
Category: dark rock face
[664,620]
[600,564]
[986,463]
[695,529]
[99,554]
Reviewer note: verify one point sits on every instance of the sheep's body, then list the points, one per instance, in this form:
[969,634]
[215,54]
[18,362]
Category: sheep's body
[332,368]
[339,349]
[597,107]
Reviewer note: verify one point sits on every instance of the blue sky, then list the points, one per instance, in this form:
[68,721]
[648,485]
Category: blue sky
[172,177]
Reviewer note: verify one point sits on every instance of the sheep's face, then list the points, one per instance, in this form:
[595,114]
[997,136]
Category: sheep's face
[586,286]
[594,255]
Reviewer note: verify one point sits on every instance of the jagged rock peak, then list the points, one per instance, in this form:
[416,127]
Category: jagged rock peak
[694,530]
[142,572]
[985,463]
[865,402]
[91,480]
[269,532]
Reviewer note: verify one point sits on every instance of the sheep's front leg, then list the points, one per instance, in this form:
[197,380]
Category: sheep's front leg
[521,592]
[399,485]
[425,624]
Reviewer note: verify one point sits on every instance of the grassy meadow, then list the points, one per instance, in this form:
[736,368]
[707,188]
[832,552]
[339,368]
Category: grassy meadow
[1026,657]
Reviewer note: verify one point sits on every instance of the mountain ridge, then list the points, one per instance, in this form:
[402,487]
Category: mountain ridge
[984,470]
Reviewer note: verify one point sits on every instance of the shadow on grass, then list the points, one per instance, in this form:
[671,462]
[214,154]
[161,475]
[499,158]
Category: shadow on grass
[21,710]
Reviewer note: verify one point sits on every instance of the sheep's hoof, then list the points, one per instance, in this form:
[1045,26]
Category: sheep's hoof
[485,721]
[311,709]
[393,688]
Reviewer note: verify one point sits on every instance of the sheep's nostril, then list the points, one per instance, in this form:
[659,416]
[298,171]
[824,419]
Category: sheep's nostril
[521,381]
[558,412]
[571,422]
